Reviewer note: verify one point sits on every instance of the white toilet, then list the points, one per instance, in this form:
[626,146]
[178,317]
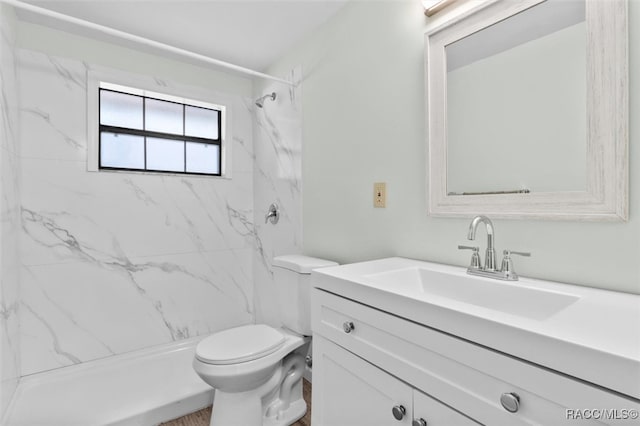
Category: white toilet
[255,369]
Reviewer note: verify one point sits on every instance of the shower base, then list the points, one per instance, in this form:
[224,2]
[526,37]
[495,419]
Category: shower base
[141,388]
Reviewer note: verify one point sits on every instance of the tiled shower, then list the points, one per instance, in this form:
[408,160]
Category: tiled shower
[96,264]
[9,213]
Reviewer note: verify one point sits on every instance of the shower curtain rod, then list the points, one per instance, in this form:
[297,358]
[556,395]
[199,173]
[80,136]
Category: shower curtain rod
[142,40]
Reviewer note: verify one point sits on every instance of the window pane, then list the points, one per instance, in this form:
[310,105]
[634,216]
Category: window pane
[165,154]
[201,122]
[120,109]
[163,116]
[203,158]
[124,151]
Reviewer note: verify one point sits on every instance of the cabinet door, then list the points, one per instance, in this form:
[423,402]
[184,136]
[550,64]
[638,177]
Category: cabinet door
[434,413]
[348,391]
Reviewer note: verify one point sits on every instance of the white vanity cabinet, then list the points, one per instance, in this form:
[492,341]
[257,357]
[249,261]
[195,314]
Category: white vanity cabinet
[348,390]
[367,361]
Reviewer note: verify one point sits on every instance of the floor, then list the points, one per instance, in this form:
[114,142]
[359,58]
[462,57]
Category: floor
[202,417]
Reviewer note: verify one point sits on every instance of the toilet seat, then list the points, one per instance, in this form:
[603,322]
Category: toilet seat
[239,344]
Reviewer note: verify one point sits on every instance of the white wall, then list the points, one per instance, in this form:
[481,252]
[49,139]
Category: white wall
[113,262]
[9,212]
[363,122]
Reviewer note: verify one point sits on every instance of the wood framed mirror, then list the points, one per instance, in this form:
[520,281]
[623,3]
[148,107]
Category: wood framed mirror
[527,111]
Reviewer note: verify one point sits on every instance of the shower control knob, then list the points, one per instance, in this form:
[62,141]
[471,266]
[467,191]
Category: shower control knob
[348,327]
[510,401]
[273,214]
[419,422]
[398,412]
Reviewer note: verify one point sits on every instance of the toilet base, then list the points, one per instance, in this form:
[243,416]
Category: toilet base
[278,402]
[296,411]
[243,412]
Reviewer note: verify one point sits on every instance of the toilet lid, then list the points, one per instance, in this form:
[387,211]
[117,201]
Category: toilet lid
[239,344]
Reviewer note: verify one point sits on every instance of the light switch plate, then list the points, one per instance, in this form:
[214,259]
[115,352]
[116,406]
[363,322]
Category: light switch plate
[380,194]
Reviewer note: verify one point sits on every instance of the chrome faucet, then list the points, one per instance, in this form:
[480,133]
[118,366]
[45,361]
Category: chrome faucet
[489,270]
[490,253]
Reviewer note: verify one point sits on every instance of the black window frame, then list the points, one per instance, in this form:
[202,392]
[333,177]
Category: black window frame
[159,135]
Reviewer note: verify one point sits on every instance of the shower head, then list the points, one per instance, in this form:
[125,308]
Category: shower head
[260,101]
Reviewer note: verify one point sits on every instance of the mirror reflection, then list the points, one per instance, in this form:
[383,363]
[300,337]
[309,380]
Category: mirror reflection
[516,104]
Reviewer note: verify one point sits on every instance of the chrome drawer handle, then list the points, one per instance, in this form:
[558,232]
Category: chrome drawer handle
[510,401]
[348,327]
[419,422]
[398,412]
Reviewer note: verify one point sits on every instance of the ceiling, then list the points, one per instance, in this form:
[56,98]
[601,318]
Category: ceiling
[249,33]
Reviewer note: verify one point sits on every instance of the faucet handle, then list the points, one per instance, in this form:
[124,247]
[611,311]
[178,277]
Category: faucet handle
[475,257]
[508,253]
[507,263]
[273,214]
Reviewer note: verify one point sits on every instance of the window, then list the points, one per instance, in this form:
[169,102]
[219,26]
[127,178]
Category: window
[158,133]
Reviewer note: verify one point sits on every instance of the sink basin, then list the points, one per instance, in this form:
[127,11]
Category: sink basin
[509,297]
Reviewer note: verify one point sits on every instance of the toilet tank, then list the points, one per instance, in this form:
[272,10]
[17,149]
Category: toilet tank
[292,276]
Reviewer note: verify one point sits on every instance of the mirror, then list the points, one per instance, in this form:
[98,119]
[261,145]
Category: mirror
[519,88]
[518,127]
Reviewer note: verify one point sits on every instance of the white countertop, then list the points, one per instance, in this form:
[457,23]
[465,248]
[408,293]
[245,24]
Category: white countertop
[596,338]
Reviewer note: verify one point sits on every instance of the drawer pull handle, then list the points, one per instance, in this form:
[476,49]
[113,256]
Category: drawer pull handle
[398,412]
[419,422]
[510,401]
[348,327]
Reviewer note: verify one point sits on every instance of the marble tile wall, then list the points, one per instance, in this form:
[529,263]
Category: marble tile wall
[114,262]
[277,178]
[9,212]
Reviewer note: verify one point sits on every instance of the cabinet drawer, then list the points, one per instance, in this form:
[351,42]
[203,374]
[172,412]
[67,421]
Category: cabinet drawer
[461,374]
